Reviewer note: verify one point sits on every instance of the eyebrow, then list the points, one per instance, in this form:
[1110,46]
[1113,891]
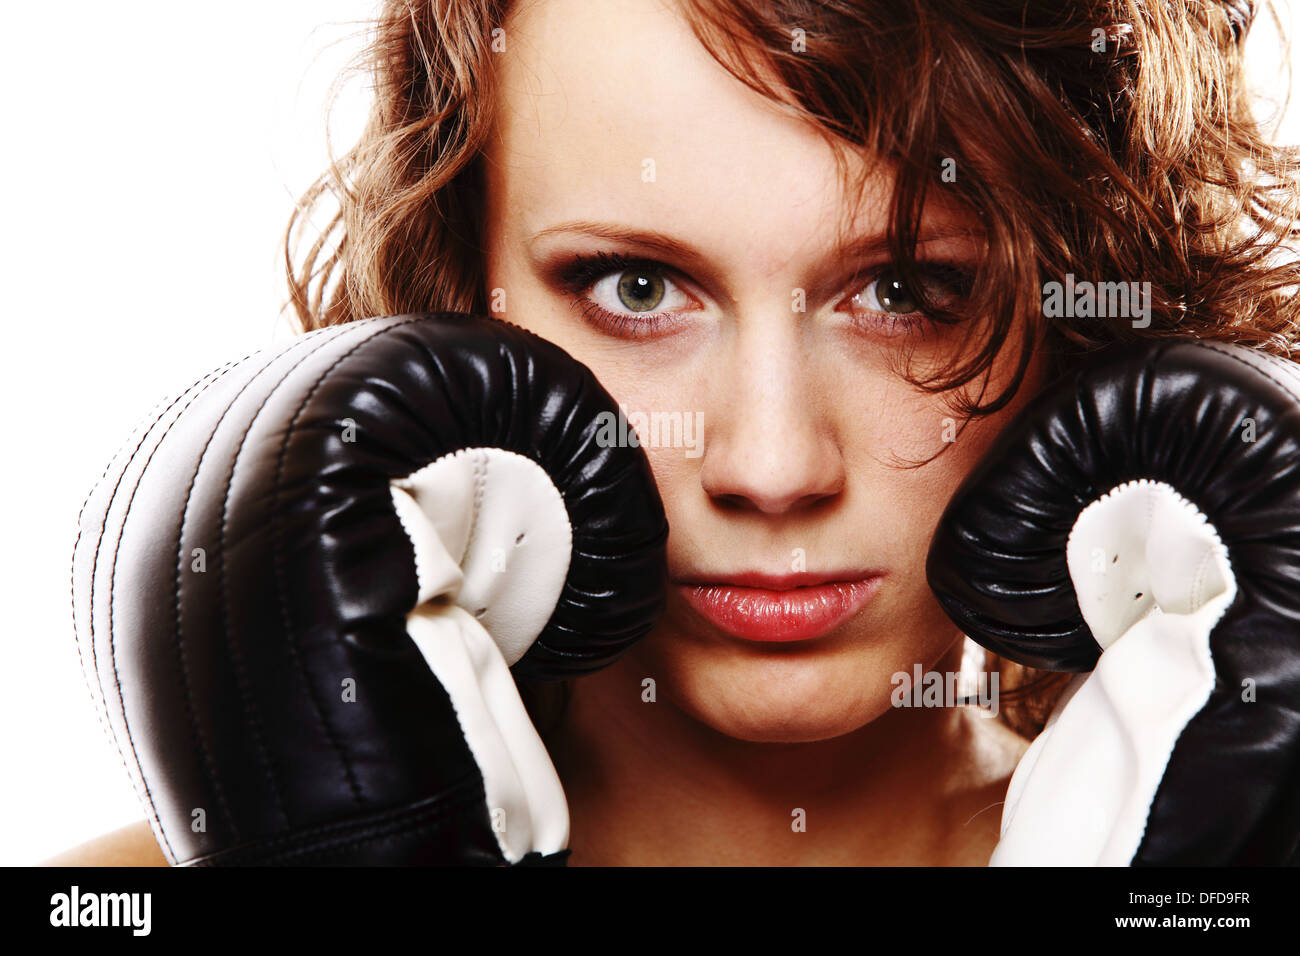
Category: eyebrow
[616,233]
[861,247]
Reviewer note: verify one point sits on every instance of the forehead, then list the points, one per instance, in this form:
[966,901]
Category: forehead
[614,111]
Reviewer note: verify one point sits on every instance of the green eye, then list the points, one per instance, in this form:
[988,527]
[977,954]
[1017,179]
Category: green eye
[640,291]
[893,295]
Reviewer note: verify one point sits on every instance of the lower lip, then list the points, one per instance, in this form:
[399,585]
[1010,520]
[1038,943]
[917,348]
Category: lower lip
[799,614]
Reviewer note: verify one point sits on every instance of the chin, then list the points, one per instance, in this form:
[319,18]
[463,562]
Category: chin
[780,695]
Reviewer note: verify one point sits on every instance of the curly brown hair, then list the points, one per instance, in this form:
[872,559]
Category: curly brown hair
[1111,139]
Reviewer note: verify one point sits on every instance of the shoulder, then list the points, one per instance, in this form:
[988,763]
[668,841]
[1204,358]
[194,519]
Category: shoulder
[132,845]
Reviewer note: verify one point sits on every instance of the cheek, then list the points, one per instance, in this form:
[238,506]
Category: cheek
[627,379]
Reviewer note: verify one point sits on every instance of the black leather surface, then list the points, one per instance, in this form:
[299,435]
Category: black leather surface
[223,687]
[1175,412]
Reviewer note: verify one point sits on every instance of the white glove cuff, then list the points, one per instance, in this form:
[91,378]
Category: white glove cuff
[1152,580]
[492,546]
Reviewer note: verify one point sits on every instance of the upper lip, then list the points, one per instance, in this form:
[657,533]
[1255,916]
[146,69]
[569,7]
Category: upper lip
[777,582]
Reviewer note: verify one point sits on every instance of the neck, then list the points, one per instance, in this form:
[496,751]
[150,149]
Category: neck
[649,784]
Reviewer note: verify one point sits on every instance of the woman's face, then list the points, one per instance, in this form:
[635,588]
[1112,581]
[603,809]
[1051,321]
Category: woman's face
[619,135]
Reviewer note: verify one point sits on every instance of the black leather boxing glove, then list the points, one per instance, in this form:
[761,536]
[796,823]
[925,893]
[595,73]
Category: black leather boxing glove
[1139,524]
[301,592]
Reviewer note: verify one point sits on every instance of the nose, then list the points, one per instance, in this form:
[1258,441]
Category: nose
[772,446]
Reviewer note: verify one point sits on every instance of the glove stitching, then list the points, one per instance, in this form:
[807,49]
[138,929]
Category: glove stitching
[269,766]
[1264,358]
[431,814]
[99,698]
[375,835]
[143,430]
[1151,509]
[209,763]
[386,325]
[191,711]
[1198,583]
[480,488]
[106,722]
[166,433]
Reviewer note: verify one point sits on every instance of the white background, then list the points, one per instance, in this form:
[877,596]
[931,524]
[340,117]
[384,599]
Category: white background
[152,154]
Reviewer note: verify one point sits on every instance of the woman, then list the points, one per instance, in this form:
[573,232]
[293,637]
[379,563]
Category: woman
[825,233]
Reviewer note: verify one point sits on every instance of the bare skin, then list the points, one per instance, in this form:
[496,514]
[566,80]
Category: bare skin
[802,414]
[915,787]
[132,845]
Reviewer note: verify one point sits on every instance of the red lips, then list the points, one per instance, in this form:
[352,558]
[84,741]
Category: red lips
[792,607]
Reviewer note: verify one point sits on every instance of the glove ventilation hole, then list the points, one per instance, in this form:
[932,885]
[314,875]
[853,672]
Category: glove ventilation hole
[1143,549]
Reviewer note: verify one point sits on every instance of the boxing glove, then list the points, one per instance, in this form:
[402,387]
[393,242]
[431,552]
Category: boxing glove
[1139,524]
[303,592]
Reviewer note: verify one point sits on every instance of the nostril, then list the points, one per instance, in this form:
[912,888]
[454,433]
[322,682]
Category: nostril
[480,612]
[519,540]
[734,502]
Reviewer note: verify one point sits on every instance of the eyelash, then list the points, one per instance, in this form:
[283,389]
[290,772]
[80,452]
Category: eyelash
[583,271]
[956,277]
